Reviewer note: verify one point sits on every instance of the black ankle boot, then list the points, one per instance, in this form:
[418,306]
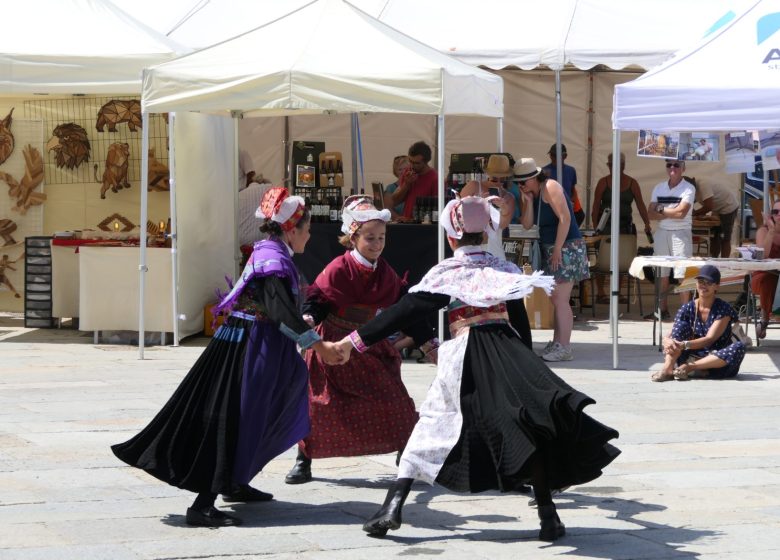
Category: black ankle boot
[389,515]
[552,528]
[301,471]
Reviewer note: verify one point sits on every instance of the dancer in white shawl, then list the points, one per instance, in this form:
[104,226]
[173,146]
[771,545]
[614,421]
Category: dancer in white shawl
[495,416]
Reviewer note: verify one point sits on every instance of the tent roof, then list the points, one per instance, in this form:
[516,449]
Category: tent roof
[325,56]
[76,46]
[729,81]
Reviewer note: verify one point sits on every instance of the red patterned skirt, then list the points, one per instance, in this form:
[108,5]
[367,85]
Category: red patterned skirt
[358,408]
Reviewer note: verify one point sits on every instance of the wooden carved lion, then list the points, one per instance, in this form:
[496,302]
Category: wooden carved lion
[70,144]
[115,174]
[159,175]
[118,111]
[6,138]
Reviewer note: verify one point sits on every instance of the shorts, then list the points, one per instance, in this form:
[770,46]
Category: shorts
[674,243]
[726,227]
[574,261]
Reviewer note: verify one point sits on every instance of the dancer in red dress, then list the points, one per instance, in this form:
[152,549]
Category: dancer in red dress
[361,407]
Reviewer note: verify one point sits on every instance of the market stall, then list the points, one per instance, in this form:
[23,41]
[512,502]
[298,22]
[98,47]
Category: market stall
[726,82]
[388,73]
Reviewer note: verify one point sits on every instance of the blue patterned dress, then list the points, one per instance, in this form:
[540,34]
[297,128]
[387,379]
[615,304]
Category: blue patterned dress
[688,325]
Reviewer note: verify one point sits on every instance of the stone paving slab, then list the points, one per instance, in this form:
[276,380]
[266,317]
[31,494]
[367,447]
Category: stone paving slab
[699,476]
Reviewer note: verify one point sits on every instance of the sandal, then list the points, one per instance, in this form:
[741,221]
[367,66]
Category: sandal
[660,376]
[761,329]
[680,374]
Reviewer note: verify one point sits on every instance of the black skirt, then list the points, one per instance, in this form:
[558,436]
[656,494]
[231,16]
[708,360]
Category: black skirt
[513,406]
[191,442]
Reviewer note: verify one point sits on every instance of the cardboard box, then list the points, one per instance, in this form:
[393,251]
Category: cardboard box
[539,307]
[208,318]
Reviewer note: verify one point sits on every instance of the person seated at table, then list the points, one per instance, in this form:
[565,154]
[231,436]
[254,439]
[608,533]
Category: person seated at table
[400,164]
[700,344]
[764,283]
[721,200]
[630,193]
[419,179]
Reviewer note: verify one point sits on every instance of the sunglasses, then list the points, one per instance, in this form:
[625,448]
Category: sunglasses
[668,165]
[775,211]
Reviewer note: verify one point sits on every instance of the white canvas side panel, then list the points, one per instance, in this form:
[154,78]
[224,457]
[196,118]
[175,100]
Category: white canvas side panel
[205,218]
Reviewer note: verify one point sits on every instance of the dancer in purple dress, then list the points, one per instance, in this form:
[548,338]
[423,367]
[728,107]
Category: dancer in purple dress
[245,400]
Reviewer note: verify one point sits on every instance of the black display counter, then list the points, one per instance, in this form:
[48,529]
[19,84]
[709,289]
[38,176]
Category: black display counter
[409,248]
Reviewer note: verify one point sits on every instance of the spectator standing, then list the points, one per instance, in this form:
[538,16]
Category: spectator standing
[671,206]
[569,182]
[722,202]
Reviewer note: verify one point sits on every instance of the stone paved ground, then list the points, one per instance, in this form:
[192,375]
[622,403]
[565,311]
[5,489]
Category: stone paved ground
[699,476]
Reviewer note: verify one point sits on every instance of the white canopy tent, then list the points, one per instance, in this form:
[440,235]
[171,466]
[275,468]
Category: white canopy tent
[727,82]
[77,46]
[361,65]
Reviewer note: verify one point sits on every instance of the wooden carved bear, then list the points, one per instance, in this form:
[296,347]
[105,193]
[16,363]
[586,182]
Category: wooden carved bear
[115,174]
[118,111]
[159,174]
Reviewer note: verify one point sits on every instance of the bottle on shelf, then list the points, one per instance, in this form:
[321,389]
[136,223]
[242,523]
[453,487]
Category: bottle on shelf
[323,173]
[325,210]
[331,174]
[435,211]
[339,174]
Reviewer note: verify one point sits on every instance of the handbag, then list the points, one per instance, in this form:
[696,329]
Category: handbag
[536,246]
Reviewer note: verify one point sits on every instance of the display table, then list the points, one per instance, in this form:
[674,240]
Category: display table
[108,289]
[409,248]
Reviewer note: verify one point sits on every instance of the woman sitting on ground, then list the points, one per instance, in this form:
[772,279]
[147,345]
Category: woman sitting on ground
[701,343]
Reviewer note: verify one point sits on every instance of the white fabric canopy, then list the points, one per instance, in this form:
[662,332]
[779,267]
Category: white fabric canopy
[76,46]
[345,61]
[729,81]
[578,33]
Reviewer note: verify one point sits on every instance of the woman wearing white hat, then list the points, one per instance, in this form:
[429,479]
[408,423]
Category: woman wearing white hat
[495,416]
[563,249]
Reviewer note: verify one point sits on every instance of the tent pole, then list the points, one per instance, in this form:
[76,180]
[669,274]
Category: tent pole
[767,194]
[614,278]
[236,115]
[589,156]
[353,138]
[500,123]
[172,234]
[286,165]
[142,268]
[440,202]
[558,129]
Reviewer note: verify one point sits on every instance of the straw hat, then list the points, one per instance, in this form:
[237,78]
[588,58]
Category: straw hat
[498,166]
[526,168]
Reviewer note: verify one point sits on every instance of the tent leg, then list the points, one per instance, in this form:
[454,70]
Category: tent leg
[440,149]
[172,233]
[500,130]
[614,281]
[353,138]
[589,155]
[142,268]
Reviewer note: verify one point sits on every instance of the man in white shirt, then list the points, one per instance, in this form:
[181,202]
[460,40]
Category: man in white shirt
[671,206]
[721,201]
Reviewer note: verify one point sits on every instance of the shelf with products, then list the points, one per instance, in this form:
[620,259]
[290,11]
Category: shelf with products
[324,203]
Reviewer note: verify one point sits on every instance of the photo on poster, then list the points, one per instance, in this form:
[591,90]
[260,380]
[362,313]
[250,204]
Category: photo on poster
[305,176]
[699,146]
[658,144]
[741,151]
[769,142]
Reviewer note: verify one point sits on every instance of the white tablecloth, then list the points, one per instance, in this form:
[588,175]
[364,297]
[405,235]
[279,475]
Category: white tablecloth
[108,289]
[64,282]
[727,267]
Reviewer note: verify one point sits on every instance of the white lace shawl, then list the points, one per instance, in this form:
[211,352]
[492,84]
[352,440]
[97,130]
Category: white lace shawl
[481,280]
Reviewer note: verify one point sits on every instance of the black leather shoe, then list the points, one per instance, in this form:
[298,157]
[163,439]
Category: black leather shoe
[211,517]
[389,515]
[551,526]
[300,473]
[245,493]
